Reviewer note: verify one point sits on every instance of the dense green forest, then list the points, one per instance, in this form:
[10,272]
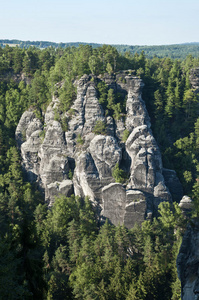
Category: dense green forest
[179,51]
[63,253]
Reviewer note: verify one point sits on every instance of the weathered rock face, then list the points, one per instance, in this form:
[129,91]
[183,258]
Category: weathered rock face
[113,202]
[136,111]
[51,155]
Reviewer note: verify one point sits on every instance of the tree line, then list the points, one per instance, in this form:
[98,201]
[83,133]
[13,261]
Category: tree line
[179,51]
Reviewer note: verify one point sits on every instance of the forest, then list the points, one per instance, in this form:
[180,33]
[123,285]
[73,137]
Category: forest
[63,252]
[179,51]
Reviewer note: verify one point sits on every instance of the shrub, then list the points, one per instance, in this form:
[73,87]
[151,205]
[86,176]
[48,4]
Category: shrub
[64,123]
[118,174]
[79,140]
[125,135]
[70,174]
[100,127]
[42,135]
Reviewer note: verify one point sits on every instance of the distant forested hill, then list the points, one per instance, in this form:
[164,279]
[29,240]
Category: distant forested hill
[179,51]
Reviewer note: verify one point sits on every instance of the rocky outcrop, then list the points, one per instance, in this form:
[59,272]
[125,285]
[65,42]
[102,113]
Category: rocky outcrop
[51,156]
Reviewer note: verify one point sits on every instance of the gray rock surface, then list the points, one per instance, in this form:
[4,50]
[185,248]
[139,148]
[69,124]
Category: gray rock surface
[186,204]
[146,163]
[114,196]
[31,159]
[106,154]
[136,111]
[135,209]
[173,184]
[86,177]
[65,187]
[53,154]
[22,127]
[49,154]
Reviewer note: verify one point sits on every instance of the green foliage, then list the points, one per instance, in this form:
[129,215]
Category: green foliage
[39,92]
[94,64]
[42,135]
[102,91]
[180,51]
[62,119]
[56,115]
[115,103]
[80,260]
[118,174]
[67,94]
[70,174]
[62,253]
[64,123]
[110,99]
[10,286]
[100,127]
[125,135]
[109,68]
[117,111]
[79,140]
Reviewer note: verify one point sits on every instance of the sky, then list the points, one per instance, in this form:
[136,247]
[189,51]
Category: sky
[127,22]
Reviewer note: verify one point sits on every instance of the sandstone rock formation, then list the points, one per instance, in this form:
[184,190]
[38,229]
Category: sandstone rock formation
[51,155]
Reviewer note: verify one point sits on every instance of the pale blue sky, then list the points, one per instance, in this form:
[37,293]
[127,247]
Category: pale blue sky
[132,22]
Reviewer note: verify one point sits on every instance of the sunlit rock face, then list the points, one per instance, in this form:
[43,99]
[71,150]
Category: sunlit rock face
[81,162]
